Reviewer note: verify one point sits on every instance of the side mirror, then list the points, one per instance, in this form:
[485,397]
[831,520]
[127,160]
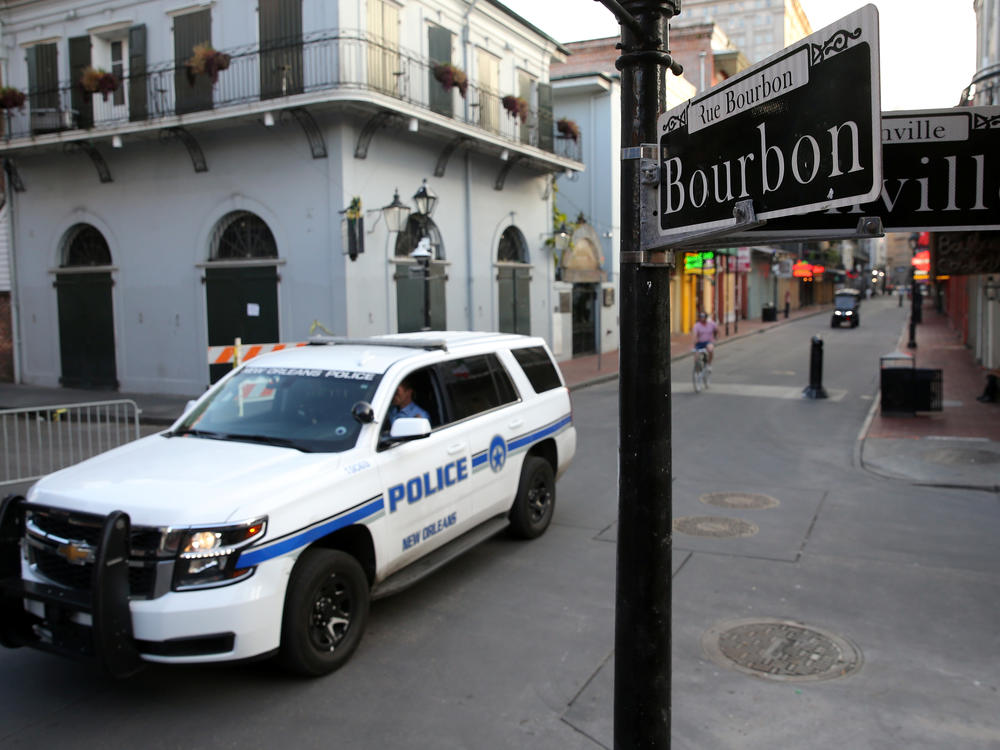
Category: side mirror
[410,428]
[363,412]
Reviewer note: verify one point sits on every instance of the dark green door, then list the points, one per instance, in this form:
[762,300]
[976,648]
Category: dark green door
[515,299]
[242,303]
[280,48]
[439,46]
[410,298]
[80,101]
[584,319]
[86,330]
[191,29]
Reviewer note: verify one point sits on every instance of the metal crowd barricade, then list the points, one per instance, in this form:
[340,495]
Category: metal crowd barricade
[38,440]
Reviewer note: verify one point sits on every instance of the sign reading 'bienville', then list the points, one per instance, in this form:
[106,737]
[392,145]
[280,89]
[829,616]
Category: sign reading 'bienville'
[798,132]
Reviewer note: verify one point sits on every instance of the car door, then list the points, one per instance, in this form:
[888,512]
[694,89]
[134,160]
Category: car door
[483,405]
[422,479]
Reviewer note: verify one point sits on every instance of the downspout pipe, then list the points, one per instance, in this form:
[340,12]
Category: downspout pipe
[469,255]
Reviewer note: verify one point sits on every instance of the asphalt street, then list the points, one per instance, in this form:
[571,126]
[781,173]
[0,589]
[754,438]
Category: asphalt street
[511,646]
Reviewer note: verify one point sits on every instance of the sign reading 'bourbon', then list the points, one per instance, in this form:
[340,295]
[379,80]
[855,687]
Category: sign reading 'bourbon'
[797,133]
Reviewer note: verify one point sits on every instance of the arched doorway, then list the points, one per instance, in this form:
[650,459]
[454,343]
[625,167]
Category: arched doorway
[513,282]
[241,284]
[409,279]
[86,311]
[581,266]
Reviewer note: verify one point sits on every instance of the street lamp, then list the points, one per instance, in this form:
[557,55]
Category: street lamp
[426,200]
[913,241]
[396,214]
[422,254]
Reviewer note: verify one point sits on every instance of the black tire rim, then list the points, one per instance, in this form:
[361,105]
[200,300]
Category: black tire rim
[330,618]
[539,499]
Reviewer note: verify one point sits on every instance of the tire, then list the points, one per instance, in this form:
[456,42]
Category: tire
[855,323]
[834,324]
[698,373]
[326,610]
[535,503]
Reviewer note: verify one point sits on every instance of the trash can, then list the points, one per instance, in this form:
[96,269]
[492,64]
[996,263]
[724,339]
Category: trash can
[768,313]
[907,389]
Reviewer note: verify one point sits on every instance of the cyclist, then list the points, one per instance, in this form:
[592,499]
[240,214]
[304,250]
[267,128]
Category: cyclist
[705,332]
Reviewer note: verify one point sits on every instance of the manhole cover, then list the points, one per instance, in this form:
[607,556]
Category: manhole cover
[781,650]
[739,500]
[962,456]
[714,526]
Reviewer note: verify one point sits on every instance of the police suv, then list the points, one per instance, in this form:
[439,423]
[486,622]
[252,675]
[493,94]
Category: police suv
[267,517]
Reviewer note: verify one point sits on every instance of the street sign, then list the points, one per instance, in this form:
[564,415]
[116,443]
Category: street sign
[940,172]
[798,132]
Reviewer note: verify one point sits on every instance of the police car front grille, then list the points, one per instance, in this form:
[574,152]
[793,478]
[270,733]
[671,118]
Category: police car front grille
[86,528]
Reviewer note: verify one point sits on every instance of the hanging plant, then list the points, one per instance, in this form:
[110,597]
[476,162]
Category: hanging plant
[206,60]
[516,107]
[568,129]
[449,75]
[11,98]
[94,80]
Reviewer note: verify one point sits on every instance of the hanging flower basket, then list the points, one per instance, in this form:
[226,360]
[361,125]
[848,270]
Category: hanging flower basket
[448,75]
[208,61]
[568,129]
[516,107]
[11,98]
[94,80]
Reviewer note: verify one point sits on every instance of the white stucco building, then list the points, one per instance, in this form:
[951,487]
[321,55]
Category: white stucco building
[152,219]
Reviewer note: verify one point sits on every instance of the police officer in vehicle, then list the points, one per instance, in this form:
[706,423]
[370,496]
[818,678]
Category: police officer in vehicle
[403,404]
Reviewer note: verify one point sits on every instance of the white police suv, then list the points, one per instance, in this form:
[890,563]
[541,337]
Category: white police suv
[266,518]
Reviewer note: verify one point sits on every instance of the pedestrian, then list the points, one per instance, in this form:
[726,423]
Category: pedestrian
[788,301]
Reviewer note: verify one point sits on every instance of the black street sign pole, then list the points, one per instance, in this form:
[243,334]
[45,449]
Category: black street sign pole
[642,603]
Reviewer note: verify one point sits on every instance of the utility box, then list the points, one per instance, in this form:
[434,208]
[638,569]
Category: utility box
[907,389]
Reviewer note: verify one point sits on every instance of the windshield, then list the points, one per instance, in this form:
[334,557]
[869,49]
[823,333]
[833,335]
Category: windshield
[309,410]
[845,300]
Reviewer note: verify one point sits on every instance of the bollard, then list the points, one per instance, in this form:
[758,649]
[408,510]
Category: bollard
[815,388]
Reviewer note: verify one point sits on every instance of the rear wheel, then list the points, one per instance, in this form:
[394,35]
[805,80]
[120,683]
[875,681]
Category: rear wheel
[535,502]
[326,610]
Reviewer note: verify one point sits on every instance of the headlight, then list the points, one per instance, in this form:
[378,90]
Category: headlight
[849,312]
[207,557]
[837,312]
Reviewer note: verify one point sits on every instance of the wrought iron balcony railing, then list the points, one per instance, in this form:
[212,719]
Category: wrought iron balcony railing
[319,62]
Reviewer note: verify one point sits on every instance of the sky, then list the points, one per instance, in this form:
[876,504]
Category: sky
[927,48]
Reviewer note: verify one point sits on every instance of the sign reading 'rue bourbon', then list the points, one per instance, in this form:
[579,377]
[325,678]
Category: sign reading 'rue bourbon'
[797,133]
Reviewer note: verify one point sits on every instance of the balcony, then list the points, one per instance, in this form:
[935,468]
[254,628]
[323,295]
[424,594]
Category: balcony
[321,68]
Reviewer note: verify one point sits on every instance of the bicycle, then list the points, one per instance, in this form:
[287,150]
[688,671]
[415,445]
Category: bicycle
[701,372]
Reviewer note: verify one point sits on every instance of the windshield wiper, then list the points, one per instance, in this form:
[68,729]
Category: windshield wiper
[270,440]
[181,431]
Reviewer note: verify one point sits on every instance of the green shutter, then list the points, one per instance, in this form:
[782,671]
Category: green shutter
[545,124]
[137,77]
[189,30]
[439,46]
[280,47]
[81,102]
[43,76]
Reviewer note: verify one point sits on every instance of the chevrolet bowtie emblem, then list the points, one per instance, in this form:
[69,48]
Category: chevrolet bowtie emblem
[76,554]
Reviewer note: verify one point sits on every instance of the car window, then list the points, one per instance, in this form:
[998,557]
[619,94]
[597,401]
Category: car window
[471,384]
[425,395]
[538,366]
[305,409]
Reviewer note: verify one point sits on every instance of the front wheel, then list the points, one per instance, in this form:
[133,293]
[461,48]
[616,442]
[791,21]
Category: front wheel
[699,372]
[326,610]
[535,502]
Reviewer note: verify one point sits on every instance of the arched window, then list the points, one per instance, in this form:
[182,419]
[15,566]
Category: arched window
[241,235]
[417,227]
[85,246]
[513,247]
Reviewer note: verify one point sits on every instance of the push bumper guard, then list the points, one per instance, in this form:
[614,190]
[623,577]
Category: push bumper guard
[109,639]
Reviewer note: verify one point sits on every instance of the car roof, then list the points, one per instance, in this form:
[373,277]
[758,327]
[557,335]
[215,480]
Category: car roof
[846,291]
[378,353]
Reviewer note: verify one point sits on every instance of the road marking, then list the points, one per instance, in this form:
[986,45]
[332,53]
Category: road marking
[761,391]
